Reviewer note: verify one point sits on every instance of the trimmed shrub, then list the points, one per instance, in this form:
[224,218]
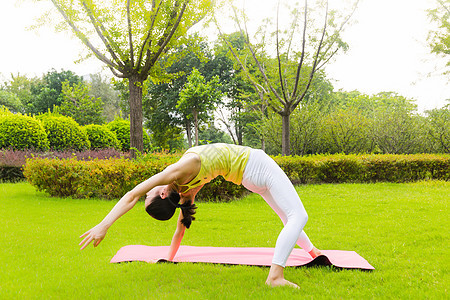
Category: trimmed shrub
[109,179]
[112,178]
[101,137]
[22,132]
[4,111]
[121,128]
[64,133]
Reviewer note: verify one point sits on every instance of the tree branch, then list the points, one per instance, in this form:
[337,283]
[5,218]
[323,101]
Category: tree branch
[300,64]
[443,5]
[100,32]
[261,69]
[117,74]
[313,70]
[130,35]
[153,18]
[84,39]
[278,56]
[336,34]
[165,40]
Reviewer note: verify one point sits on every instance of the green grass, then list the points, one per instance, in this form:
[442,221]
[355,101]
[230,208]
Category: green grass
[401,229]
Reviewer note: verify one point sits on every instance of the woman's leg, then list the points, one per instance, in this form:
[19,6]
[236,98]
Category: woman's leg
[263,176]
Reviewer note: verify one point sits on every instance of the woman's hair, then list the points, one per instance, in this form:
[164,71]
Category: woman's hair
[163,209]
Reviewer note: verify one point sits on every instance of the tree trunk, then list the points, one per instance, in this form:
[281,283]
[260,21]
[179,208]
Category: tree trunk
[286,134]
[196,126]
[136,119]
[188,133]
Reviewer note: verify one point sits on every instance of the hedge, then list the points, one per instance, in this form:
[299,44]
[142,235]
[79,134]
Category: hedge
[101,137]
[112,178]
[64,133]
[121,128]
[21,132]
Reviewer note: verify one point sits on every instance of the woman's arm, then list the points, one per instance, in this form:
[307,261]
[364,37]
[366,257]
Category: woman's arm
[179,232]
[176,239]
[127,202]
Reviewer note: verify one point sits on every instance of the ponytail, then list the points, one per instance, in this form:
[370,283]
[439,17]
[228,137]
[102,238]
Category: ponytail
[188,210]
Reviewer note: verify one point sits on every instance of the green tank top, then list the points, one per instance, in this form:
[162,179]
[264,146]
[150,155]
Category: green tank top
[219,159]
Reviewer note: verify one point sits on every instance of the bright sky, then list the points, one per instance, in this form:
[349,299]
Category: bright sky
[388,49]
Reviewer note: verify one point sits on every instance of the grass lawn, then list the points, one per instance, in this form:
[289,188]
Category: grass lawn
[401,229]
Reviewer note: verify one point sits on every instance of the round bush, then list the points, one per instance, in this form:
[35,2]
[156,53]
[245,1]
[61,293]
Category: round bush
[4,111]
[65,134]
[20,132]
[122,129]
[101,137]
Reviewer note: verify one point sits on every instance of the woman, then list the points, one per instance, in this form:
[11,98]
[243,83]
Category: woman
[178,184]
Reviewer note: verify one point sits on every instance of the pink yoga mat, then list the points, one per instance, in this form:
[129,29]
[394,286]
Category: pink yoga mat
[240,256]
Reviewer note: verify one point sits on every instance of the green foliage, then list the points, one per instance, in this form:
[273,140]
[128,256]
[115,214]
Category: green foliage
[340,168]
[439,39]
[121,128]
[213,135]
[130,37]
[199,98]
[20,86]
[4,111]
[78,104]
[46,93]
[10,100]
[438,125]
[101,137]
[112,178]
[109,179]
[22,132]
[64,133]
[102,87]
[346,131]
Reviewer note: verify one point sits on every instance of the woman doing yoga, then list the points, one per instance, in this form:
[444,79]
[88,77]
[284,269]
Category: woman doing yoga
[177,185]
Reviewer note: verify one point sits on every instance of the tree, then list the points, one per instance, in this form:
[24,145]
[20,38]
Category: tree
[101,87]
[439,128]
[238,107]
[46,93]
[439,39]
[10,101]
[78,104]
[346,131]
[199,98]
[213,134]
[395,123]
[288,76]
[159,105]
[20,86]
[130,37]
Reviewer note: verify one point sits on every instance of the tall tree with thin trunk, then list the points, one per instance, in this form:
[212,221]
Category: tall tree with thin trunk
[130,37]
[198,99]
[288,74]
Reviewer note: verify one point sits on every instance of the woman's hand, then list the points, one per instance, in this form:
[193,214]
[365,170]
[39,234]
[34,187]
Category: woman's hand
[95,235]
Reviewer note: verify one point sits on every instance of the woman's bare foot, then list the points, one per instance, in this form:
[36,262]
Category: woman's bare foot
[276,277]
[281,282]
[315,252]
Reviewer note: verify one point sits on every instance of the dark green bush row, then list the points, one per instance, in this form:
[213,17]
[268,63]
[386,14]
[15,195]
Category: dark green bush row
[11,174]
[112,178]
[365,168]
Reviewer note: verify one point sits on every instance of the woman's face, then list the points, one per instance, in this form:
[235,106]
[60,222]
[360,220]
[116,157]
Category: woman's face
[162,191]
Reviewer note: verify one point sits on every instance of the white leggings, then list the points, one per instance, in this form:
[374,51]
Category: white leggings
[262,175]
